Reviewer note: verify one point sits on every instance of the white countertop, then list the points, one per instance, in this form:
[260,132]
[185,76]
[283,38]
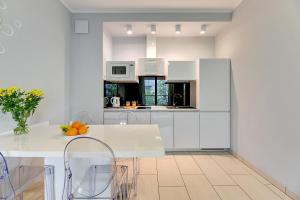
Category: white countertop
[153,109]
[47,141]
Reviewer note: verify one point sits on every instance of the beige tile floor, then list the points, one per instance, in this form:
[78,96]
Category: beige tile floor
[210,176]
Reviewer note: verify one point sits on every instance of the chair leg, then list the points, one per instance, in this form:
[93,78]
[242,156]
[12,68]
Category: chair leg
[49,182]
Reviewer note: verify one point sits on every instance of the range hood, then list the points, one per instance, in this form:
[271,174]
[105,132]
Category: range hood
[151,65]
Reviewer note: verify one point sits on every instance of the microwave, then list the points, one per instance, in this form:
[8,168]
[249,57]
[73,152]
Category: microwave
[120,71]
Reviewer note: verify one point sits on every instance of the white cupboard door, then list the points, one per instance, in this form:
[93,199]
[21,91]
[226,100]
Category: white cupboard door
[138,117]
[186,130]
[165,122]
[215,85]
[214,130]
[115,117]
[182,71]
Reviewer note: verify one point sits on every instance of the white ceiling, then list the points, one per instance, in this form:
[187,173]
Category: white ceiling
[164,29]
[149,5]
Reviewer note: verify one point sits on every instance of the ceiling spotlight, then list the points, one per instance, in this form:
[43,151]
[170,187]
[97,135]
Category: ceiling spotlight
[153,29]
[129,29]
[178,29]
[203,29]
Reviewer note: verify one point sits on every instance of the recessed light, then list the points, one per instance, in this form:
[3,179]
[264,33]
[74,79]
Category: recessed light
[178,29]
[203,29]
[153,29]
[129,29]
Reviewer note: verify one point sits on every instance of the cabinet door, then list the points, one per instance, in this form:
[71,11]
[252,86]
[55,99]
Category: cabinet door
[214,85]
[165,122]
[181,71]
[139,117]
[115,117]
[214,130]
[186,130]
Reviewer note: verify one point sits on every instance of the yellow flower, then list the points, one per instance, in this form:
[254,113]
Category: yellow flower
[38,93]
[2,92]
[13,89]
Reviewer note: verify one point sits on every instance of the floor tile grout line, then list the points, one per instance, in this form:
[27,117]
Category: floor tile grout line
[249,174]
[223,169]
[276,193]
[266,185]
[208,180]
[157,178]
[235,186]
[232,178]
[255,171]
[193,161]
[182,179]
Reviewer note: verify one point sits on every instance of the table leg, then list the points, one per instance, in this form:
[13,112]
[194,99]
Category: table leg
[57,171]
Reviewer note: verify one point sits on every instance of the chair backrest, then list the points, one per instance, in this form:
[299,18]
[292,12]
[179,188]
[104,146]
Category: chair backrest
[84,117]
[90,167]
[6,187]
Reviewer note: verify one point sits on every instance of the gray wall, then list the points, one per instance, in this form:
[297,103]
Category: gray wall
[38,56]
[264,44]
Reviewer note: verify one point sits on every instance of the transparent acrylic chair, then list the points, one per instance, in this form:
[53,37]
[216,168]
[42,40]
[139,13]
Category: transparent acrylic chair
[91,171]
[14,181]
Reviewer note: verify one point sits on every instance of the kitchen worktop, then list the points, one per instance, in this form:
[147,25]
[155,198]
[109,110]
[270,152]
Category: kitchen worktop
[152,109]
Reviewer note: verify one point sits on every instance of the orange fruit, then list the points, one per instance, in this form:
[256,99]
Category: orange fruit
[83,130]
[72,132]
[77,124]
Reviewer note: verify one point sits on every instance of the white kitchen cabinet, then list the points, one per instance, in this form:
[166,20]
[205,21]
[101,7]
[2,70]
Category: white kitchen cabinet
[165,122]
[186,130]
[214,85]
[115,118]
[138,117]
[182,71]
[151,67]
[214,130]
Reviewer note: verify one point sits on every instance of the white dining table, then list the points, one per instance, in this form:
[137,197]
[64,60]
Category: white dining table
[47,142]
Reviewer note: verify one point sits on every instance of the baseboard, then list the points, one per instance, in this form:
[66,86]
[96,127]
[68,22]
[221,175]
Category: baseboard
[270,179]
[292,195]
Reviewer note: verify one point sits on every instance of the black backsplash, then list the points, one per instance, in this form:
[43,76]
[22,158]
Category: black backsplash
[182,89]
[131,92]
[126,91]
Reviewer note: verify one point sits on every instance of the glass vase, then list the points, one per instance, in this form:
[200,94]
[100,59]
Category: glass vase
[22,127]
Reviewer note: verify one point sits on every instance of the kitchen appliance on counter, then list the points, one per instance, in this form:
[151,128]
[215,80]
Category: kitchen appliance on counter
[115,101]
[121,71]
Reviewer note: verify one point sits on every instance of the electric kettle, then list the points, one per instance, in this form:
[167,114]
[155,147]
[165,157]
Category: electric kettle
[115,101]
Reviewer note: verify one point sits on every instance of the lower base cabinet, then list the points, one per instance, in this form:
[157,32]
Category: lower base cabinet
[182,130]
[186,130]
[165,122]
[138,117]
[214,130]
[115,117]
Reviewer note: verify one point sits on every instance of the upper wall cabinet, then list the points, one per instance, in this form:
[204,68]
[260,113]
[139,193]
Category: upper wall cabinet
[151,67]
[182,71]
[214,85]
